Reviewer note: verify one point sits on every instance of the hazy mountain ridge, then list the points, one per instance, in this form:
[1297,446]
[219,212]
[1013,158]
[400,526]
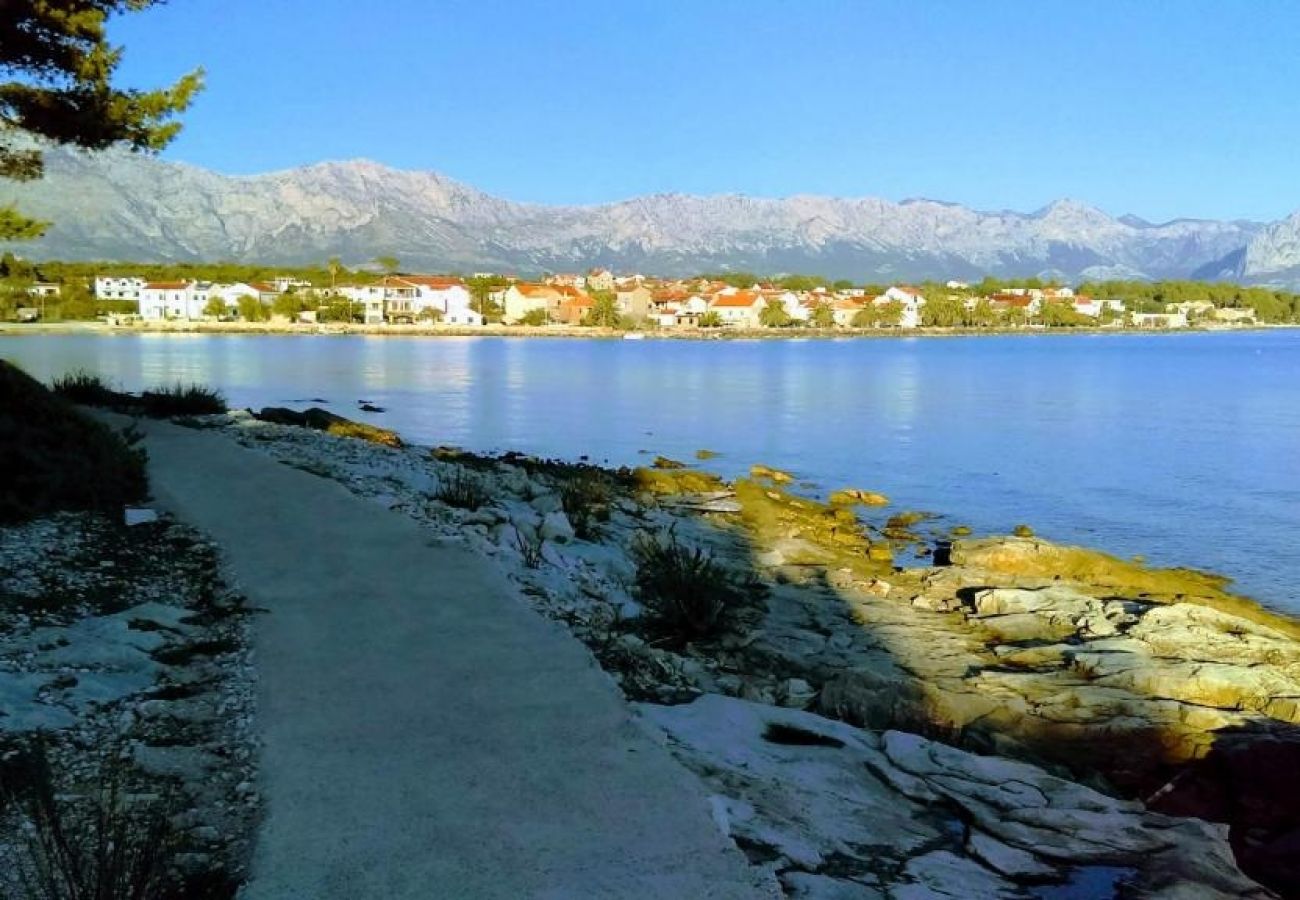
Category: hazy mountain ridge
[119,206]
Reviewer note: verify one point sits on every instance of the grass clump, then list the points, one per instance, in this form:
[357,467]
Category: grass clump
[689,594]
[182,400]
[586,498]
[86,389]
[532,548]
[83,388]
[462,490]
[54,457]
[100,845]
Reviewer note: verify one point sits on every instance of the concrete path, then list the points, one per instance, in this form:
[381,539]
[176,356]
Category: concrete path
[426,733]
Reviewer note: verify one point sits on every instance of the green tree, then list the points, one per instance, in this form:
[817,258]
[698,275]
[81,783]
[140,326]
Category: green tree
[941,311]
[334,266]
[710,319]
[801,282]
[823,316]
[215,307]
[867,317]
[773,314]
[430,314]
[61,68]
[981,314]
[336,308]
[1015,317]
[604,310]
[251,309]
[535,317]
[1060,315]
[387,264]
[75,302]
[288,305]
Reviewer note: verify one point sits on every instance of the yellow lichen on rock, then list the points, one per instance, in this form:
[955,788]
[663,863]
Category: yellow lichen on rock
[776,476]
[1032,558]
[666,482]
[858,497]
[773,516]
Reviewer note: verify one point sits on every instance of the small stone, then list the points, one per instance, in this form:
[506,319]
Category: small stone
[139,515]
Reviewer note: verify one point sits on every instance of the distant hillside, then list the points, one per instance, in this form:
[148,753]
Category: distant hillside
[119,206]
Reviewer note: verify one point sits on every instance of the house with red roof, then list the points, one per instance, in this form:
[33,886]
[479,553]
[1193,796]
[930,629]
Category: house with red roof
[738,309]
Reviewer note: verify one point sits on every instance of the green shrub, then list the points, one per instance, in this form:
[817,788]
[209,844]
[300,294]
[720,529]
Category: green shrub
[104,845]
[688,593]
[53,457]
[585,498]
[86,389]
[182,400]
[462,490]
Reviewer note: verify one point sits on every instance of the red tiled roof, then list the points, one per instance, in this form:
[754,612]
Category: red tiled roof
[1013,299]
[740,299]
[542,291]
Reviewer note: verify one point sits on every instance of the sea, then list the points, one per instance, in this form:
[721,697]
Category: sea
[1183,448]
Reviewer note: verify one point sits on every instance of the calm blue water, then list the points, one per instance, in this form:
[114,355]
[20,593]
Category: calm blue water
[1185,448]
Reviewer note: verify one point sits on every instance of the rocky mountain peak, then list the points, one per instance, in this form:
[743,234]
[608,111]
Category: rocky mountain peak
[124,206]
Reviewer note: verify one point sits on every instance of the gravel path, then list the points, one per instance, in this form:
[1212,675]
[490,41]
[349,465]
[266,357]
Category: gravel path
[425,733]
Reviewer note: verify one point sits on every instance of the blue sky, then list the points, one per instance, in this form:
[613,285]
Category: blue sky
[1163,108]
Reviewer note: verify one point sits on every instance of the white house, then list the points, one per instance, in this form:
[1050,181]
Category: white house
[793,303]
[600,280]
[110,287]
[450,296]
[368,299]
[1237,316]
[230,294]
[1088,306]
[44,289]
[844,309]
[521,299]
[738,309]
[911,300]
[171,300]
[1160,320]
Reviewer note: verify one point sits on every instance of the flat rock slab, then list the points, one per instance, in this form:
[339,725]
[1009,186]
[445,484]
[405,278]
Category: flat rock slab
[425,733]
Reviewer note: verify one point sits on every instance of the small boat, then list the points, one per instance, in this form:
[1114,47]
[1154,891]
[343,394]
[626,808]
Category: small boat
[634,336]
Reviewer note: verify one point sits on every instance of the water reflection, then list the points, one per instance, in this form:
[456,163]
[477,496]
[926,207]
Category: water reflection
[1181,447]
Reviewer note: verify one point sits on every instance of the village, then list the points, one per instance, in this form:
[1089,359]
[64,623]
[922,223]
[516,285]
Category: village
[601,298]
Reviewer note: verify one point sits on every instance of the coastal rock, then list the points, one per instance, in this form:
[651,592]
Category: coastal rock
[910,817]
[555,526]
[324,420]
[858,497]
[1120,674]
[1251,783]
[547,503]
[776,476]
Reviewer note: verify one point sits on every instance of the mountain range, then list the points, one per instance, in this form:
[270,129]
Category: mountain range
[117,205]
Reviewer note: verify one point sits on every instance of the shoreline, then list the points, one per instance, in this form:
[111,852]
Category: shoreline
[578,331]
[1131,680]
